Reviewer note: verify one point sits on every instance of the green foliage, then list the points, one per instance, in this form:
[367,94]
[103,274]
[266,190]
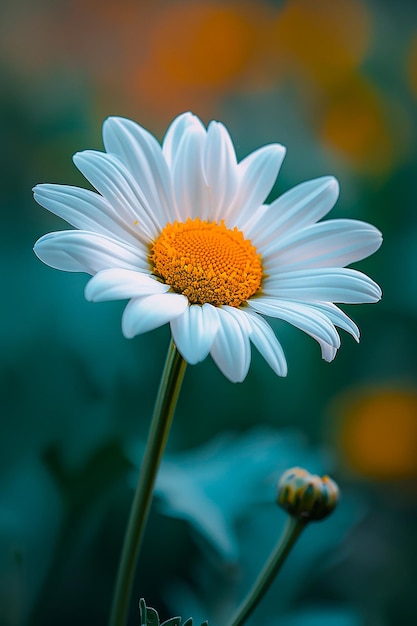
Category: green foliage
[150,617]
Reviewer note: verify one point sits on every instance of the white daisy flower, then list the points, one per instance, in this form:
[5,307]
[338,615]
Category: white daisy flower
[181,232]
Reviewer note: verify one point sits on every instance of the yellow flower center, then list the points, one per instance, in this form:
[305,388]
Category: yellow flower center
[207,262]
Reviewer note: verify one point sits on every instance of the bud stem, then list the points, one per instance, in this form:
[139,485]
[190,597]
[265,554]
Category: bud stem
[287,540]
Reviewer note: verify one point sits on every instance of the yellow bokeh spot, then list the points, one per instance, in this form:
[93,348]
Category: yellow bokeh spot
[207,262]
[322,38]
[356,124]
[377,433]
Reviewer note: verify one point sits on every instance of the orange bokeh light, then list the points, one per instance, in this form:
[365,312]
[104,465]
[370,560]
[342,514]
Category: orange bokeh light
[322,39]
[195,51]
[201,43]
[377,433]
[356,124]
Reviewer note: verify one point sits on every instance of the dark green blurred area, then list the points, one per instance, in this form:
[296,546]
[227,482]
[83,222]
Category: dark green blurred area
[336,82]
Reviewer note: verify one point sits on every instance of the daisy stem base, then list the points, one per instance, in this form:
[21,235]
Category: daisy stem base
[271,568]
[168,392]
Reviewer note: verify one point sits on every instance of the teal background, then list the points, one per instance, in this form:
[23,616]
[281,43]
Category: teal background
[336,82]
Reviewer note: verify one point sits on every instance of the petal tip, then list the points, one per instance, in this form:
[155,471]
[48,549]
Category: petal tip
[77,157]
[332,183]
[89,291]
[284,371]
[115,120]
[190,120]
[35,249]
[327,182]
[281,148]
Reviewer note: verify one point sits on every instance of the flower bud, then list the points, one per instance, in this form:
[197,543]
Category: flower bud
[306,495]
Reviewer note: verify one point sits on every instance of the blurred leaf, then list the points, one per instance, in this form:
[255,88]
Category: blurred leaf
[225,491]
[217,485]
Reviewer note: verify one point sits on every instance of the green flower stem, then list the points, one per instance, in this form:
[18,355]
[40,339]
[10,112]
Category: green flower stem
[288,538]
[169,389]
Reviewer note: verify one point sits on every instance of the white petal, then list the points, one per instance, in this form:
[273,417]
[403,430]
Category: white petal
[264,339]
[86,210]
[221,170]
[257,174]
[142,155]
[231,348]
[314,323]
[175,134]
[194,331]
[323,285]
[337,317]
[80,251]
[191,190]
[328,352]
[120,284]
[299,207]
[117,185]
[335,243]
[240,316]
[144,314]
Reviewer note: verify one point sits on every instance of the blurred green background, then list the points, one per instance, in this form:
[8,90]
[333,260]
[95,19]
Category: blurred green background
[336,82]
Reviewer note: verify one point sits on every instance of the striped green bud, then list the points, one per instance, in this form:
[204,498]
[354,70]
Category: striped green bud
[307,496]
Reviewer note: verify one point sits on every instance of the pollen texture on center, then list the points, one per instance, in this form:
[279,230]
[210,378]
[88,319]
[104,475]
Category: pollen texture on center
[207,262]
